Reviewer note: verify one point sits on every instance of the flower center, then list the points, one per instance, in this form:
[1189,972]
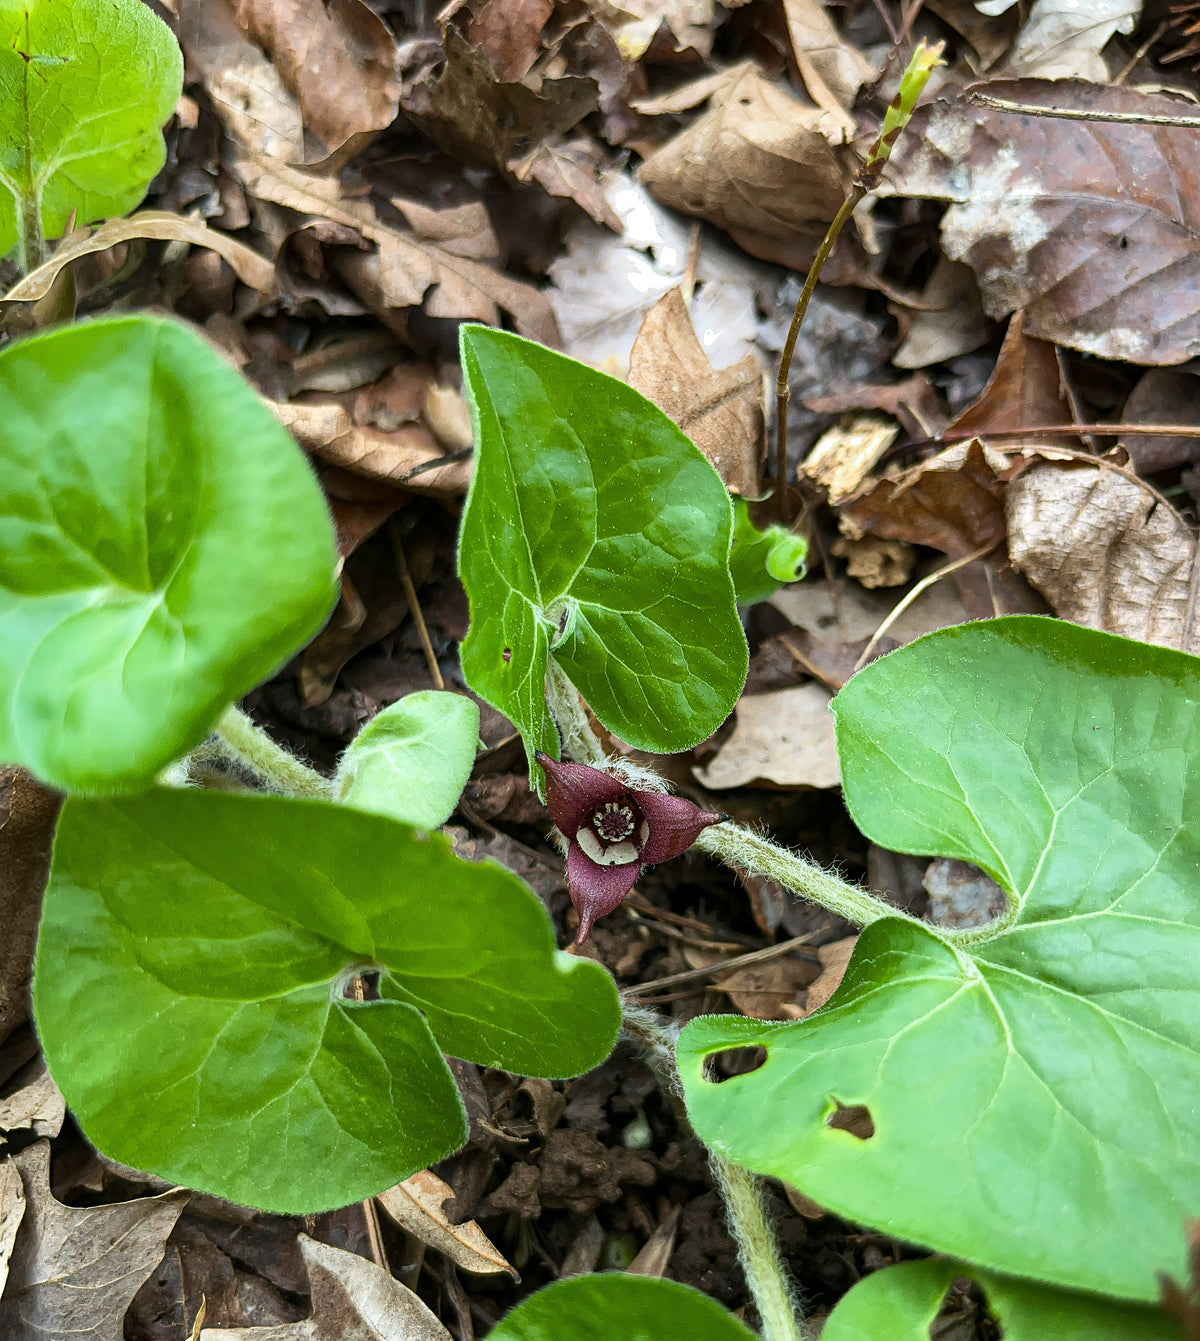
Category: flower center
[613,822]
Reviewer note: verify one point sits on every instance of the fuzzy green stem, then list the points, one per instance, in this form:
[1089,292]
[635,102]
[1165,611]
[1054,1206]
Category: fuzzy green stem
[758,1249]
[579,740]
[756,855]
[31,244]
[271,764]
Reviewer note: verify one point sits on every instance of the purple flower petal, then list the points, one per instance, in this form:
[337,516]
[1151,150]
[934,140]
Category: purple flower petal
[596,890]
[675,824]
[575,791]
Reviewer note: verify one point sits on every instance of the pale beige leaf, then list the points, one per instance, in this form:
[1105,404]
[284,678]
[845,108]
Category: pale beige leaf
[844,455]
[1063,39]
[721,411]
[74,1270]
[833,71]
[416,1205]
[35,1104]
[246,264]
[352,1300]
[655,1253]
[834,960]
[1102,551]
[12,1209]
[784,738]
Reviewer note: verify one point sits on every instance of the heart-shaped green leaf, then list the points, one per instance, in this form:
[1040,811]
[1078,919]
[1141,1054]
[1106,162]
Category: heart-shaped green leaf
[163,548]
[86,87]
[615,1306]
[1032,1087]
[900,1302]
[189,991]
[597,533]
[413,759]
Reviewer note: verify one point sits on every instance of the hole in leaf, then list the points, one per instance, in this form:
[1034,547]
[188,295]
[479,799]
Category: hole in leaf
[729,1062]
[362,986]
[1123,243]
[506,655]
[854,1118]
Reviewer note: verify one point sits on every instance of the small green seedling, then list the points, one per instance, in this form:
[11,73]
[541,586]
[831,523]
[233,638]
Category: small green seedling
[86,87]
[762,561]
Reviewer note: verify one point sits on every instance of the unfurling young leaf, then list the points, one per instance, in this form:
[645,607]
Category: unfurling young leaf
[597,534]
[164,547]
[760,562]
[190,992]
[1022,1097]
[86,87]
[413,759]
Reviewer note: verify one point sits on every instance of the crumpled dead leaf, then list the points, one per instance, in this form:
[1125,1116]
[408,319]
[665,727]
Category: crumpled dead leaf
[835,959]
[720,410]
[1103,552]
[245,262]
[636,23]
[73,1269]
[833,71]
[783,738]
[1162,396]
[1063,39]
[952,321]
[337,59]
[768,991]
[416,1205]
[756,164]
[27,822]
[1092,228]
[844,455]
[12,1209]
[352,1299]
[35,1104]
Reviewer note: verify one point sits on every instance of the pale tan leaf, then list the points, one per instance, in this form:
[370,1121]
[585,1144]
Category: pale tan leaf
[721,411]
[655,1253]
[74,1270]
[784,738]
[416,1205]
[844,455]
[352,1300]
[834,959]
[833,71]
[35,1103]
[1103,552]
[12,1209]
[246,264]
[1063,39]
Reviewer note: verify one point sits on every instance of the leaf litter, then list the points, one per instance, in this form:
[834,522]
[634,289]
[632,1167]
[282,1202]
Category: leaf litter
[643,187]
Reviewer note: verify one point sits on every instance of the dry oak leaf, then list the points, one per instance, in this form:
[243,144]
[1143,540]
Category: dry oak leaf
[782,739]
[336,57]
[756,164]
[508,32]
[416,1205]
[833,71]
[721,411]
[1103,551]
[1092,228]
[405,270]
[352,1300]
[73,1269]
[246,264]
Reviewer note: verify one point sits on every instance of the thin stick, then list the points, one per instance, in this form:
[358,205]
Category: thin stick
[1140,52]
[739,961]
[414,606]
[1074,429]
[925,583]
[1078,114]
[374,1237]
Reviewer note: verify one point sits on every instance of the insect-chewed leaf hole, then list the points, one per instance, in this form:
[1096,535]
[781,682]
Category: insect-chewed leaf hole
[854,1118]
[506,656]
[729,1062]
[362,986]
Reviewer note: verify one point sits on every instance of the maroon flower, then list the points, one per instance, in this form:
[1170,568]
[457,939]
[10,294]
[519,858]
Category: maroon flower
[613,831]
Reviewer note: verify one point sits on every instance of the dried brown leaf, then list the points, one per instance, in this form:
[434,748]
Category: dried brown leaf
[337,59]
[509,34]
[875,562]
[1062,39]
[246,264]
[1103,552]
[835,959]
[756,162]
[833,71]
[73,1269]
[768,991]
[953,322]
[1092,228]
[843,456]
[25,838]
[636,23]
[416,1205]
[12,1209]
[352,1300]
[721,411]
[655,1254]
[1162,396]
[783,739]
[35,1104]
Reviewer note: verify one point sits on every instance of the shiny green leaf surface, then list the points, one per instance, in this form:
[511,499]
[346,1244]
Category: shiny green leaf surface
[207,940]
[1032,1088]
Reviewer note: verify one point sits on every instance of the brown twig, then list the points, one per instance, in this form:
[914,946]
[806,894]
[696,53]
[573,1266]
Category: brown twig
[1078,114]
[414,606]
[739,961]
[374,1237]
